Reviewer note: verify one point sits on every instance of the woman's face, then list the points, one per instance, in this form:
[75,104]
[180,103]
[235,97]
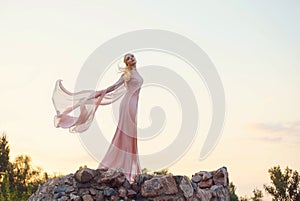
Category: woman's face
[129,60]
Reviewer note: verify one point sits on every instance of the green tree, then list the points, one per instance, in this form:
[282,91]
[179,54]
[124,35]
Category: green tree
[244,198]
[284,185]
[25,177]
[18,180]
[257,195]
[232,189]
[5,165]
[4,154]
[7,192]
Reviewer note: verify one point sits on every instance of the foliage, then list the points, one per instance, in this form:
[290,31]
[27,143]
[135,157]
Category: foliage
[161,172]
[244,198]
[232,189]
[257,195]
[19,179]
[145,171]
[4,154]
[284,185]
[81,167]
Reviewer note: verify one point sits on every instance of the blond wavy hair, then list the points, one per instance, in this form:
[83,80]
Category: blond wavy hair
[126,69]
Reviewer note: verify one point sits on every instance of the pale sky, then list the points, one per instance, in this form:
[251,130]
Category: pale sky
[254,45]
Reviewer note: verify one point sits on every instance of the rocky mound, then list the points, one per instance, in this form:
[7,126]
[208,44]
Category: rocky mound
[110,184]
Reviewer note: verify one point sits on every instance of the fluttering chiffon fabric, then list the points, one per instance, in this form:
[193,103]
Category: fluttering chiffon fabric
[76,112]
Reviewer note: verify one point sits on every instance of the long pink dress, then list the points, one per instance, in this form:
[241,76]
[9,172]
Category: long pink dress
[123,150]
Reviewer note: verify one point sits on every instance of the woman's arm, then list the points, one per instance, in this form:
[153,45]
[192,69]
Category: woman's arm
[116,85]
[111,88]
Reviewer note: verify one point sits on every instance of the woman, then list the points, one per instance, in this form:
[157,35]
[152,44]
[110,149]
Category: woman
[123,151]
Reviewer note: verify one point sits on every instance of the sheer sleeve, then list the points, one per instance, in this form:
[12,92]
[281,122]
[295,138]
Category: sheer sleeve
[76,111]
[114,92]
[116,85]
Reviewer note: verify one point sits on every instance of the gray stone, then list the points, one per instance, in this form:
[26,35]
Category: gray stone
[131,193]
[159,185]
[109,192]
[196,178]
[99,196]
[186,187]
[221,177]
[92,191]
[84,175]
[58,195]
[87,198]
[115,177]
[205,175]
[70,189]
[221,192]
[141,178]
[204,194]
[205,184]
[75,197]
[68,179]
[195,186]
[122,192]
[63,198]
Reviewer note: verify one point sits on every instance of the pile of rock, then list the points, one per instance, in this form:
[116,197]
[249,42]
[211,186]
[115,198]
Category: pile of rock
[212,185]
[110,184]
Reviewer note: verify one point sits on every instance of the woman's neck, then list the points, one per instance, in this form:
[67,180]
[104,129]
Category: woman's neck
[132,67]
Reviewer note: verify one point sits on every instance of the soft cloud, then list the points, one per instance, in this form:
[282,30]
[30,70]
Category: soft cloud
[289,127]
[271,139]
[274,132]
